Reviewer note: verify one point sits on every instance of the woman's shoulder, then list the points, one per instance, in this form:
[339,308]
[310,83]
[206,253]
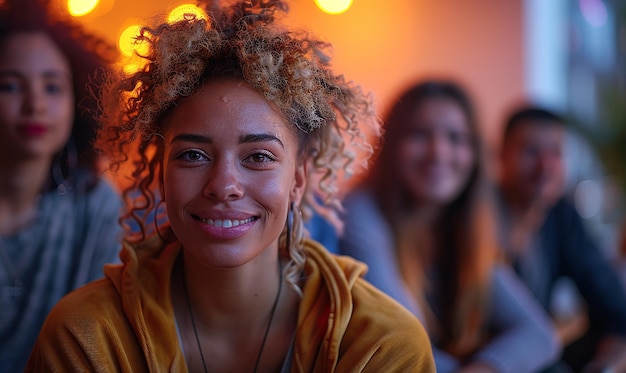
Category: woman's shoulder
[96,300]
[361,212]
[84,312]
[87,328]
[379,332]
[374,305]
[86,188]
[391,328]
[97,202]
[359,198]
[367,233]
[93,309]
[370,305]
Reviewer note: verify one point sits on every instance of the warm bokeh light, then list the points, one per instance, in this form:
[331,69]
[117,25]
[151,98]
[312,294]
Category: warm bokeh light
[594,12]
[179,12]
[385,48]
[79,8]
[334,6]
[128,44]
[130,68]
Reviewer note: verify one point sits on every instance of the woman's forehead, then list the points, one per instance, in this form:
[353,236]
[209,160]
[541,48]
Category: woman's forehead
[231,106]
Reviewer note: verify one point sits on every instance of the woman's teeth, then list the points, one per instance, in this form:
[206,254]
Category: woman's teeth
[226,223]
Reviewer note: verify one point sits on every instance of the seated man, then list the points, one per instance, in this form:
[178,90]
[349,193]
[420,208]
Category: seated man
[545,240]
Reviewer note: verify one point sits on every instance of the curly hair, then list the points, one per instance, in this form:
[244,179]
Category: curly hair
[242,41]
[87,56]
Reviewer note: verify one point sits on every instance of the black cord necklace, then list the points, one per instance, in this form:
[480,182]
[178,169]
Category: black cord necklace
[267,329]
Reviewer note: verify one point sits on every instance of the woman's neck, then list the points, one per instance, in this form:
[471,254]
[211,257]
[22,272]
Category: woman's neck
[20,188]
[417,235]
[427,216]
[236,295]
[244,312]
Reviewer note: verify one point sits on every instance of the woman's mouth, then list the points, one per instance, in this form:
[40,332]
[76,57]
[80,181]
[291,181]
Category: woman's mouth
[32,129]
[225,229]
[226,223]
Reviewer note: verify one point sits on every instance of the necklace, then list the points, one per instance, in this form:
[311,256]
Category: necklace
[267,329]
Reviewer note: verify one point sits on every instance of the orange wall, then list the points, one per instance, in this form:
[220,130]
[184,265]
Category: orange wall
[385,47]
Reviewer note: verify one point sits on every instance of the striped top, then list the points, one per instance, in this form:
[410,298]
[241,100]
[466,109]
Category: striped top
[66,246]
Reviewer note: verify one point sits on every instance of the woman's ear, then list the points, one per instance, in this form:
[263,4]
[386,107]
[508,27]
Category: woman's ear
[299,183]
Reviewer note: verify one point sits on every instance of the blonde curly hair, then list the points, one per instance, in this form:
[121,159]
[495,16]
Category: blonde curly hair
[241,41]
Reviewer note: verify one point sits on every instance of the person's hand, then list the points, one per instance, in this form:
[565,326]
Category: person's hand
[572,327]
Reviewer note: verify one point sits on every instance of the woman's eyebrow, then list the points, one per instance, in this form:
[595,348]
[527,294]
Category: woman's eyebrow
[47,74]
[261,137]
[190,137]
[10,72]
[250,138]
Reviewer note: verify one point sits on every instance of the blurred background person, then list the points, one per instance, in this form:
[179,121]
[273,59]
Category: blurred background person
[545,240]
[58,219]
[422,221]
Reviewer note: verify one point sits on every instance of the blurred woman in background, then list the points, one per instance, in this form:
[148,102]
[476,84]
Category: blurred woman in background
[58,218]
[423,222]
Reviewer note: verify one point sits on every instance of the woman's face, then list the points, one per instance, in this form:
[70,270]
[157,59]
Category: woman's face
[435,156]
[36,97]
[230,171]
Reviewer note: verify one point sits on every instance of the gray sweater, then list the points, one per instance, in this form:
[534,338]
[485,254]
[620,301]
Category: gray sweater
[72,237]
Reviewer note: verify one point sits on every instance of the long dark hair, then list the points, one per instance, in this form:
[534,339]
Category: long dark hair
[87,56]
[465,253]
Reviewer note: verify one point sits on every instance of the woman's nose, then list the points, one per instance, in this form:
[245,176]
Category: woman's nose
[33,101]
[224,181]
[437,146]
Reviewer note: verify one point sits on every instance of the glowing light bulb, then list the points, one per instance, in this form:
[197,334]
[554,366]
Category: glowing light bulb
[79,8]
[333,6]
[178,13]
[128,44]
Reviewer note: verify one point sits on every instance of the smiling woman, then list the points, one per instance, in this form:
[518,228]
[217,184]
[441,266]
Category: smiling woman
[232,120]
[232,146]
[58,218]
[423,222]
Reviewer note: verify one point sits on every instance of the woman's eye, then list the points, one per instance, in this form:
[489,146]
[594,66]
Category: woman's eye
[458,138]
[261,159]
[53,88]
[191,156]
[9,87]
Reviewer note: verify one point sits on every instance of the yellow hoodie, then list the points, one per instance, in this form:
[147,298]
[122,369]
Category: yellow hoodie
[125,322]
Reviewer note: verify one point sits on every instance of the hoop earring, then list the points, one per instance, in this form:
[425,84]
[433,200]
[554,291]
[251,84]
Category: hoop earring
[291,249]
[64,167]
[289,226]
[293,232]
